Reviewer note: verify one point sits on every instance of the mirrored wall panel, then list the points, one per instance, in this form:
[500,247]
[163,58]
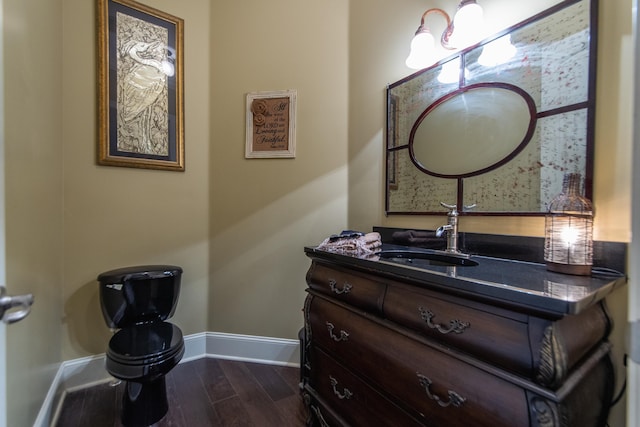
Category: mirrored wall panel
[497,125]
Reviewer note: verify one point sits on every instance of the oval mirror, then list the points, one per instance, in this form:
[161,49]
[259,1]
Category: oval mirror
[472,130]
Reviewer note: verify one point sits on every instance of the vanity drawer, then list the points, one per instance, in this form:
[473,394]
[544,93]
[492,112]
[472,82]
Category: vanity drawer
[500,339]
[442,389]
[358,404]
[359,290]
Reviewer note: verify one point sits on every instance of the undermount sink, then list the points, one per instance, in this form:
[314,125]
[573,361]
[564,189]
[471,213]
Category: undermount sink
[423,258]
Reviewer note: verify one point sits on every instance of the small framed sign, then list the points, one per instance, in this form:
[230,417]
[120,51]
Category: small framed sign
[271,130]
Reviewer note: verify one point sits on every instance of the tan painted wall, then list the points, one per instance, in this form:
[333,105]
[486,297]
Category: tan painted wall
[115,217]
[33,198]
[263,211]
[236,226]
[379,43]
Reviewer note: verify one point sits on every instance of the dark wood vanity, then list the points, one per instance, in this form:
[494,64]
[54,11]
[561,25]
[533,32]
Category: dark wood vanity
[503,343]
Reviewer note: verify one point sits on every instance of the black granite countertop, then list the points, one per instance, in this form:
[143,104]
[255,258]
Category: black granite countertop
[509,283]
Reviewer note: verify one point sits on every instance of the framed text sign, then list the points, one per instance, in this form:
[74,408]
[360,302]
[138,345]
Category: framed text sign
[140,86]
[271,130]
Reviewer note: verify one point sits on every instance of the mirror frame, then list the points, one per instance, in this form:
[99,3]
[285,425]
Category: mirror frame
[530,128]
[392,149]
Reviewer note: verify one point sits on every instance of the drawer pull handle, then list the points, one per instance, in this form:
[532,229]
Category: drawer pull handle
[346,393]
[319,417]
[454,325]
[345,289]
[454,398]
[344,335]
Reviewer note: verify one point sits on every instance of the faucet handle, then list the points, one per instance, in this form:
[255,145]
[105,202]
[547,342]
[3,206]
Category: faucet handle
[469,207]
[452,208]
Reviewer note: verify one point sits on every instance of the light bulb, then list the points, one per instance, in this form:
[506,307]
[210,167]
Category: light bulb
[450,72]
[468,16]
[497,52]
[467,26]
[422,52]
[570,236]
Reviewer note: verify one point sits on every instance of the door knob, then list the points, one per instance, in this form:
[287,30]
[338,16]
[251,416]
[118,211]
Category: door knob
[7,303]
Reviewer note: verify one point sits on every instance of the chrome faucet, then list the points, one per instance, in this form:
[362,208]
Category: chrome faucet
[451,228]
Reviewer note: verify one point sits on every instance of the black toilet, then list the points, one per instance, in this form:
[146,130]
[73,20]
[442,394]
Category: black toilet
[137,301]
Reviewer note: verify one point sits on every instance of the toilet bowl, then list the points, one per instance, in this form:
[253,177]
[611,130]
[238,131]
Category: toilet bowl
[136,301]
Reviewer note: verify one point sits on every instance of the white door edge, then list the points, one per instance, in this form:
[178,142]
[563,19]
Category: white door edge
[3,277]
[633,369]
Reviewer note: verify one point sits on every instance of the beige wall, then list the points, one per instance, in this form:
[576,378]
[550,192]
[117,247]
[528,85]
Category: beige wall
[380,33]
[33,198]
[263,211]
[115,217]
[237,226]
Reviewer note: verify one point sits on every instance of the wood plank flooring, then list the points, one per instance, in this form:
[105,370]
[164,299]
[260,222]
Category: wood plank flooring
[204,392]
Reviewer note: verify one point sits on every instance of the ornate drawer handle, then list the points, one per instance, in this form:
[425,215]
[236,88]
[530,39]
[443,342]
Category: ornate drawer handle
[319,417]
[454,398]
[345,289]
[346,393]
[454,325]
[344,335]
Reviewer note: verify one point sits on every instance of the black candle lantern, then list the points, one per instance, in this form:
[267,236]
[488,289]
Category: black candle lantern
[568,246]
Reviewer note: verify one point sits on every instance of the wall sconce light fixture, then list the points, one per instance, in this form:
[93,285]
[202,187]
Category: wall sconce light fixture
[450,72]
[460,32]
[497,52]
[568,244]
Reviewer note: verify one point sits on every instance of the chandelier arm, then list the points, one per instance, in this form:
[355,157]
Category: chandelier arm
[446,34]
[438,11]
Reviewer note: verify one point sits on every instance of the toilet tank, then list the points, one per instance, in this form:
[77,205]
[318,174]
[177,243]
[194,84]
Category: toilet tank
[139,294]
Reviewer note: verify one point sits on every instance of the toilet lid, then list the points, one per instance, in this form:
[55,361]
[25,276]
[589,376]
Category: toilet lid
[145,341]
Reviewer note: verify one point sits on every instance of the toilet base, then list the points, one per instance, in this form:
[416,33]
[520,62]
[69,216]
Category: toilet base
[144,403]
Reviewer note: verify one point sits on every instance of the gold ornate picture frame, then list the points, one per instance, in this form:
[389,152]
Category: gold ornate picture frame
[140,87]
[271,124]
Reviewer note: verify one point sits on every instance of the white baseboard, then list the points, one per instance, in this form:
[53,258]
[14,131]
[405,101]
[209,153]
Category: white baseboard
[88,371]
[272,351]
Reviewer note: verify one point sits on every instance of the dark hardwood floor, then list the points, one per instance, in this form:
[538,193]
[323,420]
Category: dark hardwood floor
[204,392]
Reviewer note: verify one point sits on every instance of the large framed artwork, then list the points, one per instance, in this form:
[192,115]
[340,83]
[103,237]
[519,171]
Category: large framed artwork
[140,87]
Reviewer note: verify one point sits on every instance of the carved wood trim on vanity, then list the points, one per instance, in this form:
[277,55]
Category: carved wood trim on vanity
[551,362]
[554,348]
